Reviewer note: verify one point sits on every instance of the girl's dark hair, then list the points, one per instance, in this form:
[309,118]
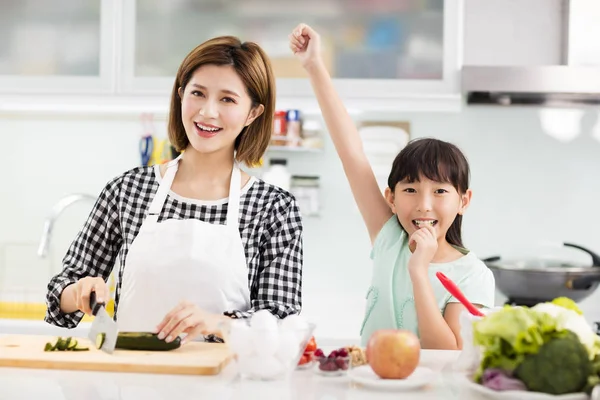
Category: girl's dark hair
[436,160]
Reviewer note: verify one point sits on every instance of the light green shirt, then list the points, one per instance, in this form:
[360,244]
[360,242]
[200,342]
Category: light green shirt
[390,299]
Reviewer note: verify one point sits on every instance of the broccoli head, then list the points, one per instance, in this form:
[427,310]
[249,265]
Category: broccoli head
[561,365]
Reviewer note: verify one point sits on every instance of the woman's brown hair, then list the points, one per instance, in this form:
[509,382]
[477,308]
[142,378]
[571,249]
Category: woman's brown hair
[254,68]
[436,160]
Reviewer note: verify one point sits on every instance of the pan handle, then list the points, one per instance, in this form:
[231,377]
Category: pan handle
[583,283]
[491,259]
[595,257]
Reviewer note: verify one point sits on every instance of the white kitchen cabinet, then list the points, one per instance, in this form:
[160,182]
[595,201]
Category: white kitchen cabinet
[57,47]
[400,55]
[379,52]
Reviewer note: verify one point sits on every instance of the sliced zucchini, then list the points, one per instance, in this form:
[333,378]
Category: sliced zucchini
[100,338]
[145,341]
[64,344]
[72,344]
[61,344]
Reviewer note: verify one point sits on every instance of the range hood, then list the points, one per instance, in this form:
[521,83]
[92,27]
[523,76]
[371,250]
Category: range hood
[574,83]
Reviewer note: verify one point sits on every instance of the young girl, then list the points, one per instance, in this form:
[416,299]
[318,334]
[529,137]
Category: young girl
[198,239]
[415,229]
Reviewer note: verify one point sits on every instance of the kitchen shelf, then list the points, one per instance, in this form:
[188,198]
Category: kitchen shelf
[295,149]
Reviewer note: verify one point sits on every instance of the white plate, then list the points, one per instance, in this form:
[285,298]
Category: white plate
[516,394]
[364,375]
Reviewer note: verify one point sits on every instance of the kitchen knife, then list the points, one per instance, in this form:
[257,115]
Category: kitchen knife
[103,332]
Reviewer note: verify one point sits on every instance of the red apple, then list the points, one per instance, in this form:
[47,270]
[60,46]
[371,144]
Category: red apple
[393,353]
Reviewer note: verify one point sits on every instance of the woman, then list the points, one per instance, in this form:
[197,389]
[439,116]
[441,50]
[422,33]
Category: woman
[199,240]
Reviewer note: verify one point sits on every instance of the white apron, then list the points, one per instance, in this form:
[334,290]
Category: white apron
[177,260]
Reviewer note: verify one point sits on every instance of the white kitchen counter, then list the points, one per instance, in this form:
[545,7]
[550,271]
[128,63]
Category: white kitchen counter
[28,327]
[26,384]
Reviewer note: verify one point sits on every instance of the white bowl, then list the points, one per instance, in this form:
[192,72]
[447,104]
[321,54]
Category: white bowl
[267,351]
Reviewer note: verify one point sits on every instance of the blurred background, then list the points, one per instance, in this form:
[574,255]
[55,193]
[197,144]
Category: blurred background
[84,94]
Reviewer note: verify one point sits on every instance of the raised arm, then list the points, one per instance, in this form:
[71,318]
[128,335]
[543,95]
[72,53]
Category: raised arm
[305,43]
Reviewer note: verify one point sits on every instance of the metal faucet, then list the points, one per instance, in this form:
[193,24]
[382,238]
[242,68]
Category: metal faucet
[58,208]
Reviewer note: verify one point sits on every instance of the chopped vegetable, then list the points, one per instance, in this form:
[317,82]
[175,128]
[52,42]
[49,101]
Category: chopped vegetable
[72,344]
[64,344]
[100,340]
[61,344]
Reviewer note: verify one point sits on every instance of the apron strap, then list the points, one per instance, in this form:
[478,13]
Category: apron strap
[233,208]
[163,190]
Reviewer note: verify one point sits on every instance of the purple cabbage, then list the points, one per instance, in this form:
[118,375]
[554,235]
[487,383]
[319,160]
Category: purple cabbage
[498,379]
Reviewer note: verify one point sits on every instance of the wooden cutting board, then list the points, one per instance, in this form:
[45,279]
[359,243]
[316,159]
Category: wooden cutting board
[27,351]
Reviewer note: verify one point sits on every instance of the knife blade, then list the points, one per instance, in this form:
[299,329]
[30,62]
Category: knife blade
[103,332]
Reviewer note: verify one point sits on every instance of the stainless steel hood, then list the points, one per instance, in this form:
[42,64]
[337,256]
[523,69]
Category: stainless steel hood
[565,85]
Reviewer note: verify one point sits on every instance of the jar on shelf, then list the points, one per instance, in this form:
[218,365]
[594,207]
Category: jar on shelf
[277,174]
[278,138]
[306,191]
[312,134]
[294,128]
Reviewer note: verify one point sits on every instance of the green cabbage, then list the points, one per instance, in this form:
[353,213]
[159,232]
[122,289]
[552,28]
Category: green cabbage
[507,336]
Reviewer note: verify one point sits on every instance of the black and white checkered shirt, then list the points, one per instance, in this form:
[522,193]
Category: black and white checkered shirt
[270,228]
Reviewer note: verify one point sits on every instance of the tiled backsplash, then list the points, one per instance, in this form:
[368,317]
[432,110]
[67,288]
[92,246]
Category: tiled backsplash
[528,187]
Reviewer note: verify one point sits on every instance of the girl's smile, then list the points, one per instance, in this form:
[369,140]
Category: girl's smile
[421,222]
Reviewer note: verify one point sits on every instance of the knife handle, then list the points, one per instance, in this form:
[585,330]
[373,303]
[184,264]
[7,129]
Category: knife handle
[456,292]
[94,305]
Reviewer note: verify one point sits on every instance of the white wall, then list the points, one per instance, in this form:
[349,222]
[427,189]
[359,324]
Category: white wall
[528,187]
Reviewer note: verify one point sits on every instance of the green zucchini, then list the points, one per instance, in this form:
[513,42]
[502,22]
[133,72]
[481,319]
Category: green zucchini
[145,341]
[100,340]
[61,344]
[64,344]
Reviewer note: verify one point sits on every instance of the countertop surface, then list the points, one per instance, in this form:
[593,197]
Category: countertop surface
[446,382]
[24,383]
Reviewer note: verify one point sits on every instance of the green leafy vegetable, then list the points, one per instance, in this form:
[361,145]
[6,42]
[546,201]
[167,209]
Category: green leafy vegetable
[508,335]
[561,366]
[567,303]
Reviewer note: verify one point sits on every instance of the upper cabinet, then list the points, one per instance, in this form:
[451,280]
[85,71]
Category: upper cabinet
[381,53]
[57,46]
